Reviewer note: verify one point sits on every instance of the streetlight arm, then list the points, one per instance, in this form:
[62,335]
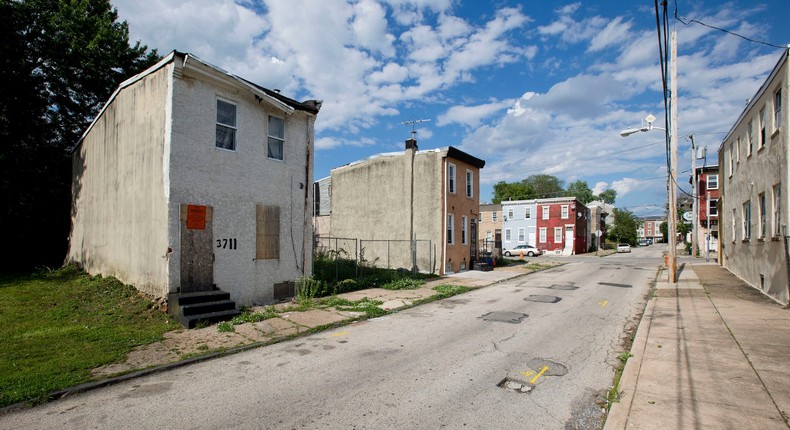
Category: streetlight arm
[630,131]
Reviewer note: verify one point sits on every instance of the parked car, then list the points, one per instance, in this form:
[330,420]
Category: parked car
[623,247]
[644,242]
[528,250]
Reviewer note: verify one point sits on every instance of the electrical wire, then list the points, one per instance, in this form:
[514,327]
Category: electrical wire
[690,21]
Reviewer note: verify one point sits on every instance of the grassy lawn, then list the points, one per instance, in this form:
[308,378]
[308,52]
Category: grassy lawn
[56,327]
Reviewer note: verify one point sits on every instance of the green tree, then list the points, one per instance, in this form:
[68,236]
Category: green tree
[504,191]
[581,191]
[664,228]
[545,186]
[59,61]
[608,196]
[625,226]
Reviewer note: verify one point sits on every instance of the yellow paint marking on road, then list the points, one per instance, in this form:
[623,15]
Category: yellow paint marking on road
[545,368]
[342,333]
[603,303]
[527,373]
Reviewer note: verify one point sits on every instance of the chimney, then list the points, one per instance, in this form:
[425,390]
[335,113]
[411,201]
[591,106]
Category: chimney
[411,144]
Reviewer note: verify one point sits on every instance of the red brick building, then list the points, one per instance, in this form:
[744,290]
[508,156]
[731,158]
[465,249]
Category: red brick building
[707,207]
[562,226]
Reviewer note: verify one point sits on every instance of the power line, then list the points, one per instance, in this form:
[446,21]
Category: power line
[689,21]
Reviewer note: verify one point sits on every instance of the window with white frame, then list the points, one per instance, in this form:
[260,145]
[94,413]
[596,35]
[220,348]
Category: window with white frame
[746,215]
[469,183]
[738,146]
[777,194]
[521,237]
[493,216]
[762,127]
[226,125]
[542,238]
[479,217]
[463,229]
[276,141]
[557,234]
[564,214]
[528,213]
[507,235]
[713,182]
[732,156]
[761,215]
[510,213]
[451,178]
[713,208]
[734,223]
[778,109]
[450,223]
[545,212]
[488,235]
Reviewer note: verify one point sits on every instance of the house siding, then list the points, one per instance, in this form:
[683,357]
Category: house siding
[119,189]
[578,223]
[761,262]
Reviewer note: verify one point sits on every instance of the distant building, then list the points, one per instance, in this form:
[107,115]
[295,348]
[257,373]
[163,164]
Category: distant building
[489,236]
[755,159]
[519,223]
[562,226]
[430,196]
[601,219]
[651,228]
[707,229]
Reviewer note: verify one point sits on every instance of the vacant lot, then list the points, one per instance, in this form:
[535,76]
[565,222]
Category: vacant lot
[55,327]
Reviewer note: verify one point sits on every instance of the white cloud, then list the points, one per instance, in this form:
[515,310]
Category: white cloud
[471,116]
[614,33]
[370,28]
[600,187]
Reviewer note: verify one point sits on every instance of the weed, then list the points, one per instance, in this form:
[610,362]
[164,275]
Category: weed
[403,284]
[225,327]
[202,347]
[307,288]
[450,290]
[624,356]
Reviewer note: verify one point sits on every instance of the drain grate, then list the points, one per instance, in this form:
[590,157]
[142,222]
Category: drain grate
[505,317]
[542,299]
[612,284]
[564,287]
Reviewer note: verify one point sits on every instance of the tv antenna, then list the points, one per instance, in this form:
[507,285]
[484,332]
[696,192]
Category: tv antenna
[412,122]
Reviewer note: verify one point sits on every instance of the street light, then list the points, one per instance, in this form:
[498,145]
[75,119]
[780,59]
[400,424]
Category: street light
[671,196]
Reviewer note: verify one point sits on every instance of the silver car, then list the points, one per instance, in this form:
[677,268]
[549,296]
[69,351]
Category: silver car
[528,250]
[623,247]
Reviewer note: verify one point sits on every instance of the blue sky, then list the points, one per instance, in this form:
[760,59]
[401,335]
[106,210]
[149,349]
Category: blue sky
[529,86]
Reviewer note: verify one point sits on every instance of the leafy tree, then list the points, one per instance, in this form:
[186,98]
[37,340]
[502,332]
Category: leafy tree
[59,61]
[625,226]
[504,191]
[545,186]
[664,228]
[608,196]
[581,191]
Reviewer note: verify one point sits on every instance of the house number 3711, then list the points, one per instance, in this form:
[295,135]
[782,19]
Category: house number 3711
[226,243]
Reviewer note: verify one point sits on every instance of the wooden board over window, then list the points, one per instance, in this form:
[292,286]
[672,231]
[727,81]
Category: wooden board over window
[267,237]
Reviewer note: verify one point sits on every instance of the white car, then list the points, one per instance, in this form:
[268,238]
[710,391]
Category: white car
[623,247]
[528,250]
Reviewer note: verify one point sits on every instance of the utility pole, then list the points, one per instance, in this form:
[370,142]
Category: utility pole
[694,204]
[412,150]
[673,171]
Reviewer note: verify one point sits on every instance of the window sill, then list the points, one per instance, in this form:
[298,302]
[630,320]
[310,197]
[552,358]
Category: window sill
[775,239]
[746,240]
[760,239]
[775,132]
[761,149]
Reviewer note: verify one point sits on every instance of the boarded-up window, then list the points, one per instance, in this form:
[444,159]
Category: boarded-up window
[267,227]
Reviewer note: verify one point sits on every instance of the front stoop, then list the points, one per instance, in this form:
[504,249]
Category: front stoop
[208,306]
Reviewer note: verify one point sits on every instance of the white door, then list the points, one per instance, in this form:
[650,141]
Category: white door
[569,238]
[532,240]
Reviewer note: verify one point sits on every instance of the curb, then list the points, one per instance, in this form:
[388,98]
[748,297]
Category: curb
[618,413]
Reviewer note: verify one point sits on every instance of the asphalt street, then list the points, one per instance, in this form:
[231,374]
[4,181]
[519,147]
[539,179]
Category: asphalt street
[534,352]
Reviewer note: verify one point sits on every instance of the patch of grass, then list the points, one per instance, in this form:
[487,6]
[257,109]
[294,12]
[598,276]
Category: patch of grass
[624,356]
[251,317]
[450,290]
[57,326]
[369,306]
[403,284]
[225,327]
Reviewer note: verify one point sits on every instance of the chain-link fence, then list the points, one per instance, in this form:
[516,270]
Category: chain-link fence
[386,254]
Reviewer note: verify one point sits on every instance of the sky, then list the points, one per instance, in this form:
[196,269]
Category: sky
[531,87]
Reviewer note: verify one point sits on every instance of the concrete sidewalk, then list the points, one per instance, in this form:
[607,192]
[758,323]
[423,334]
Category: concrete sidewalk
[710,352]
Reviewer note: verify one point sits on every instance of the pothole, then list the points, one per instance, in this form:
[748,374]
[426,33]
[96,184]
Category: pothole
[525,379]
[505,317]
[612,284]
[542,298]
[564,287]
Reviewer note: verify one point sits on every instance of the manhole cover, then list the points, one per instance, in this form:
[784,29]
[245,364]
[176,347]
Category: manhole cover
[542,299]
[505,317]
[612,284]
[564,287]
